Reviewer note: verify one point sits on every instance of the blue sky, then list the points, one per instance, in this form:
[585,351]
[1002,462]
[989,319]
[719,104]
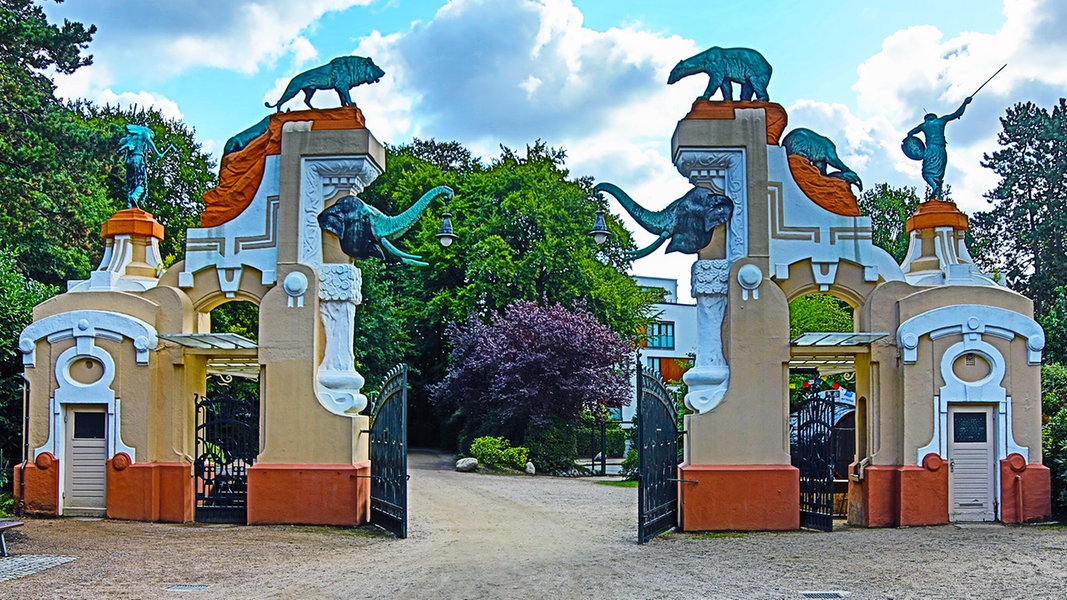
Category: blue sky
[590,75]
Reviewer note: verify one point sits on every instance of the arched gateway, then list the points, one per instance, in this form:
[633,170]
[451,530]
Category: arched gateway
[947,362]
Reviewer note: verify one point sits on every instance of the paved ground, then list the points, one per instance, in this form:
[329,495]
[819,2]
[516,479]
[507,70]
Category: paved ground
[482,536]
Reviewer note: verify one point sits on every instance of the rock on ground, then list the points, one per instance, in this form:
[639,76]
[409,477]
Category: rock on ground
[467,465]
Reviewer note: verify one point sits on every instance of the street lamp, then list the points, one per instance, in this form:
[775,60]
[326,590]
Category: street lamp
[600,231]
[446,236]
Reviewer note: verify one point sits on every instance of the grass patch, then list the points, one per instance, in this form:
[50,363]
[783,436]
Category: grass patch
[624,484]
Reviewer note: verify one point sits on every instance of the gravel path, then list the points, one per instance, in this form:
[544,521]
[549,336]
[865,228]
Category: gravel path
[483,536]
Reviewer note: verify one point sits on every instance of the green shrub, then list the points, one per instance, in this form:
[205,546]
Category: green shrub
[497,452]
[552,447]
[1054,432]
[629,465]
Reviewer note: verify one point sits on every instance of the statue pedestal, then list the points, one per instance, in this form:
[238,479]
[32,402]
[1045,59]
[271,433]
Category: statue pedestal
[131,260]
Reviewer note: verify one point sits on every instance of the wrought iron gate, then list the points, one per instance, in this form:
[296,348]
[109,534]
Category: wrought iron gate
[389,454]
[657,457]
[227,443]
[814,457]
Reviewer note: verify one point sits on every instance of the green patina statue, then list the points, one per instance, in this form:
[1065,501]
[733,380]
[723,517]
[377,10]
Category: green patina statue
[365,230]
[933,152]
[821,152]
[688,221]
[340,75]
[135,147]
[724,66]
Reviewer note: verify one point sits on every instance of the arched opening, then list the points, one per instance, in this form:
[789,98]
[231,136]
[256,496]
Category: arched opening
[822,402]
[228,414]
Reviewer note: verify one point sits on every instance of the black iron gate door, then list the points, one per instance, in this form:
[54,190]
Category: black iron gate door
[227,443]
[814,457]
[389,454]
[657,457]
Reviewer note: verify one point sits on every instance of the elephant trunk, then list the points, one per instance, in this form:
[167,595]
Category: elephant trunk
[389,227]
[653,222]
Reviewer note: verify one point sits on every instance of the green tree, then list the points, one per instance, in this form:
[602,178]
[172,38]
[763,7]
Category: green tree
[819,312]
[1023,235]
[522,223]
[49,193]
[18,296]
[889,209]
[1054,431]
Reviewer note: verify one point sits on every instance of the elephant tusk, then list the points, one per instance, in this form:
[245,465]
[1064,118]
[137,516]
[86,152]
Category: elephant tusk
[649,249]
[411,259]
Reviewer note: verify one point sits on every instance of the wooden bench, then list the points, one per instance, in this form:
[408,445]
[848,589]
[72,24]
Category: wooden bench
[4,526]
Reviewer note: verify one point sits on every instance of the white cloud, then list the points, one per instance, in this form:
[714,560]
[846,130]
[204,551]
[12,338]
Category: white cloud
[919,71]
[167,107]
[163,39]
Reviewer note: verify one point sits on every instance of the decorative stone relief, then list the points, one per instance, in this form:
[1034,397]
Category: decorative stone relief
[86,326]
[972,322]
[709,378]
[800,229]
[724,172]
[321,178]
[249,239]
[338,382]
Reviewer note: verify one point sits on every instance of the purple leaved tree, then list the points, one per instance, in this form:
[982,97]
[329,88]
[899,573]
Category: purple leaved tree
[532,366]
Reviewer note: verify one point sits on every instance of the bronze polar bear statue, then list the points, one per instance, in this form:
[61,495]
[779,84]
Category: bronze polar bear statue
[821,152]
[725,66]
[340,75]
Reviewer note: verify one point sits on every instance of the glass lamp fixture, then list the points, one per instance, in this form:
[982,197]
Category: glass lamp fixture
[446,236]
[600,231]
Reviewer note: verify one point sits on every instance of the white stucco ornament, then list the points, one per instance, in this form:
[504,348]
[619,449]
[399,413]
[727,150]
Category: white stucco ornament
[338,382]
[295,286]
[749,277]
[709,378]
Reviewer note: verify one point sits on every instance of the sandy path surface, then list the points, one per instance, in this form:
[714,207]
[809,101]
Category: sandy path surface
[481,536]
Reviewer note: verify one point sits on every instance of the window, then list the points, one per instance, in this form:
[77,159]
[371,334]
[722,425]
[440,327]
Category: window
[661,335]
[653,364]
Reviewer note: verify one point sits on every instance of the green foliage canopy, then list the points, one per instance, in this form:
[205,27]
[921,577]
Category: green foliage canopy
[1023,235]
[889,209]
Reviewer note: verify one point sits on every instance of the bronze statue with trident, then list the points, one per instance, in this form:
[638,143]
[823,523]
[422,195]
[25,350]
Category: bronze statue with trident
[136,147]
[934,153]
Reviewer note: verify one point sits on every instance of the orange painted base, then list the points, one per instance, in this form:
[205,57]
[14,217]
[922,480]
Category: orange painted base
[149,492]
[891,496]
[42,485]
[937,213]
[309,494]
[1025,491]
[832,193]
[777,119]
[924,493]
[738,497]
[134,222]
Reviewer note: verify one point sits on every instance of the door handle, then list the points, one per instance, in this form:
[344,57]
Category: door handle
[951,465]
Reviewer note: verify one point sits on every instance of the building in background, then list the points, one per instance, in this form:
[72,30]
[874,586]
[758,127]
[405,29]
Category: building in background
[671,337]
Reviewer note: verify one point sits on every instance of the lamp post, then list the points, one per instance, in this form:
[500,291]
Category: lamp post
[446,236]
[600,231]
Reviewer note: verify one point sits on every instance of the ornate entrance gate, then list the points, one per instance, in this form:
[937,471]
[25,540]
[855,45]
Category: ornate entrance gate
[814,457]
[227,443]
[657,458]
[389,454]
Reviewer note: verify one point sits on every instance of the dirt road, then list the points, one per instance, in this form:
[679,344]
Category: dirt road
[481,536]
